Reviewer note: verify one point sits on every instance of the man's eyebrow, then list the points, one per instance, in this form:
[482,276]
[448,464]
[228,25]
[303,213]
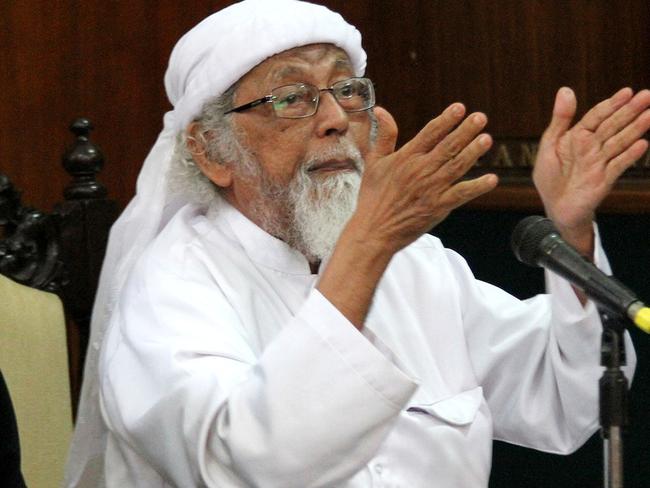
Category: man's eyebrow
[340,64]
[343,64]
[287,71]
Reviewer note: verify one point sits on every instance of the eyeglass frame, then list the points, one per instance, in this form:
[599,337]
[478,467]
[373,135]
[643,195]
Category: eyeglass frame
[270,98]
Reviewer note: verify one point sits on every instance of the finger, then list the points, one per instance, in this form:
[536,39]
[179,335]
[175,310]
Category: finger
[457,141]
[599,113]
[629,135]
[459,165]
[386,133]
[564,109]
[624,115]
[617,166]
[464,191]
[435,130]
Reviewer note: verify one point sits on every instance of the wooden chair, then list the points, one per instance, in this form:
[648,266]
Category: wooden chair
[51,264]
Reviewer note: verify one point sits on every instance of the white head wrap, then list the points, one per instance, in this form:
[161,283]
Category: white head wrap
[203,65]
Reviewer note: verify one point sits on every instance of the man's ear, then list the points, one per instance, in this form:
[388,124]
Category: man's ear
[218,172]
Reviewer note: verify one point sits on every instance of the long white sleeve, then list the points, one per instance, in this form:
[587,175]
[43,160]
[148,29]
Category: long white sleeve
[539,364]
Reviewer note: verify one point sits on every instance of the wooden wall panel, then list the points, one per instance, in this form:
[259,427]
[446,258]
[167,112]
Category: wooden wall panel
[106,60]
[103,60]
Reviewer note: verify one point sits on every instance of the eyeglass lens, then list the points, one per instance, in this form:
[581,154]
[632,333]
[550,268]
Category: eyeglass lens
[301,100]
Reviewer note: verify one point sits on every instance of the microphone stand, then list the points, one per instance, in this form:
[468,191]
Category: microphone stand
[613,399]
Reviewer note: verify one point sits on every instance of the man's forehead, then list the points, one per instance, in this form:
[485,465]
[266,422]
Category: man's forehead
[299,60]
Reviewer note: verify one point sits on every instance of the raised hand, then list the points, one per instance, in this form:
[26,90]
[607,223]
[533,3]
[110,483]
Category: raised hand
[405,193]
[577,166]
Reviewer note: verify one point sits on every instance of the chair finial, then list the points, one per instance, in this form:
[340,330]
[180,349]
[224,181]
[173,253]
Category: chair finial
[83,160]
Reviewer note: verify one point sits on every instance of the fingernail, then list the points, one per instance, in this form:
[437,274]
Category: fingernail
[623,92]
[479,119]
[457,109]
[492,179]
[565,91]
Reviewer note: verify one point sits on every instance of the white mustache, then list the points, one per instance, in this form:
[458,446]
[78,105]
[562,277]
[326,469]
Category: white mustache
[342,151]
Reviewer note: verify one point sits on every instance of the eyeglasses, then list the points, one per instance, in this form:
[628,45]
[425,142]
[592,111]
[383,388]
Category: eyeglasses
[301,99]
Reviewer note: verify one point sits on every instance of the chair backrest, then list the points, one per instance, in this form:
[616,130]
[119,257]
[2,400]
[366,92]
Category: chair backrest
[34,363]
[62,252]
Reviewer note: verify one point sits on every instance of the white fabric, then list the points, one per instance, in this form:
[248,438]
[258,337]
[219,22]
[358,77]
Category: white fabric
[225,367]
[204,63]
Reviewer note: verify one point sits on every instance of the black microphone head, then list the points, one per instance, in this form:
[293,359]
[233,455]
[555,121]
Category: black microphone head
[528,235]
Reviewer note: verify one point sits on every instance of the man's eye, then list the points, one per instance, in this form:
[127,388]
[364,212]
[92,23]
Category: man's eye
[289,99]
[347,90]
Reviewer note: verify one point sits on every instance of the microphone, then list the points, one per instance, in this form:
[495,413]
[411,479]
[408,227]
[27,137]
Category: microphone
[536,242]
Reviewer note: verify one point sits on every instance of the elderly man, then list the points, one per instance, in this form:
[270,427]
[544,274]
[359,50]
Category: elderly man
[278,316]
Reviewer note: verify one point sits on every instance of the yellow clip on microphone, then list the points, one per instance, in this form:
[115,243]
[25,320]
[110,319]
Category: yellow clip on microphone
[641,317]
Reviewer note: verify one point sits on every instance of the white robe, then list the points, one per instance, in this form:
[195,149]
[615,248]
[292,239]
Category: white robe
[225,367]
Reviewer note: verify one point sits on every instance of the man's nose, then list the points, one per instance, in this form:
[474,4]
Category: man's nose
[330,116]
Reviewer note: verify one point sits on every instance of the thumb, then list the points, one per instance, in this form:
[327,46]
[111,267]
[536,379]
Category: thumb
[564,110]
[385,136]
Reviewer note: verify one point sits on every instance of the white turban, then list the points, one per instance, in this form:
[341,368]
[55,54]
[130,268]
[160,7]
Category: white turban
[203,65]
[227,45]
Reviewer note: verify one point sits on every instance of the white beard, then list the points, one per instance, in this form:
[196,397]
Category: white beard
[321,209]
[310,213]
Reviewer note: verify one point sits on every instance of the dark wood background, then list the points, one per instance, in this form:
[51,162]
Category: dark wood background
[106,60]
